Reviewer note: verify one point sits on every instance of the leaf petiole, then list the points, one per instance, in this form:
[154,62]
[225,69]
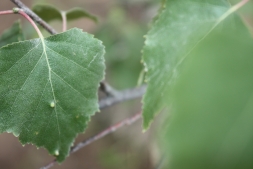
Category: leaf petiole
[21,12]
[64,21]
[6,12]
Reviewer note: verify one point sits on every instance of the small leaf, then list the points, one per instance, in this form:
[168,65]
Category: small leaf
[47,12]
[178,29]
[50,13]
[13,34]
[77,13]
[212,113]
[48,88]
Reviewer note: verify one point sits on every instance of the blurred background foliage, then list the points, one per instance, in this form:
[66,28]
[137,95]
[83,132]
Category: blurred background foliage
[121,26]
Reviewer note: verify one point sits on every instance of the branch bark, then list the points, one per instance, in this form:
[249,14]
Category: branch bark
[121,96]
[34,16]
[107,89]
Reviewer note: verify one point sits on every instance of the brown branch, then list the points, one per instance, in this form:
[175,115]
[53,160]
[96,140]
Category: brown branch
[107,89]
[34,16]
[100,135]
[121,96]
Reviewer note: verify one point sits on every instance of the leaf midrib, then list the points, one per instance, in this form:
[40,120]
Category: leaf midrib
[50,80]
[230,11]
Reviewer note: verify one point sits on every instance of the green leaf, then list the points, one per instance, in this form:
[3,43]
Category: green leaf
[180,26]
[212,113]
[47,12]
[48,89]
[50,13]
[13,34]
[77,13]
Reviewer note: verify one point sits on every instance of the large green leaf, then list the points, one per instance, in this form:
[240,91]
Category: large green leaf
[212,114]
[48,88]
[50,13]
[180,26]
[13,34]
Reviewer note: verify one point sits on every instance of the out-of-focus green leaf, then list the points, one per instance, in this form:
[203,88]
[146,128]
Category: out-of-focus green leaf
[180,26]
[48,88]
[47,12]
[50,13]
[77,13]
[123,39]
[13,34]
[212,114]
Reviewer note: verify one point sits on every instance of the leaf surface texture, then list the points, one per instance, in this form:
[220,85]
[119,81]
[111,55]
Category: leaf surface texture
[48,88]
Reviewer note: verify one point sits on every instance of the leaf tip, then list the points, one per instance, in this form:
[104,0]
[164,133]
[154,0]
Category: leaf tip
[145,127]
[144,130]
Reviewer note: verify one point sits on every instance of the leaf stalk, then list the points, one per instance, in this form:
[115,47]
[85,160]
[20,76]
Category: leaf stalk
[21,12]
[34,16]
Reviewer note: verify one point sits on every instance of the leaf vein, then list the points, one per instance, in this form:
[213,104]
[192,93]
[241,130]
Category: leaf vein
[21,58]
[68,84]
[85,69]
[26,81]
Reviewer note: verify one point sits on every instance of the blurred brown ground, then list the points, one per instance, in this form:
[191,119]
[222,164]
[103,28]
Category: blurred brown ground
[127,148]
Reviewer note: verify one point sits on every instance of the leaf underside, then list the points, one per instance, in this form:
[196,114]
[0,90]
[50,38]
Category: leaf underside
[180,26]
[13,34]
[48,89]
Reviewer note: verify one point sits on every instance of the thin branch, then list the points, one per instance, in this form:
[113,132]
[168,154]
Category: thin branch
[6,12]
[107,131]
[100,135]
[107,89]
[121,96]
[34,16]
